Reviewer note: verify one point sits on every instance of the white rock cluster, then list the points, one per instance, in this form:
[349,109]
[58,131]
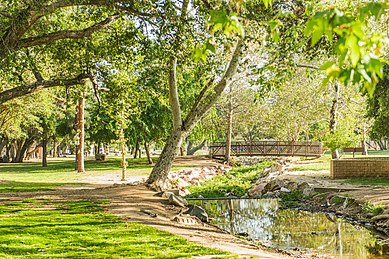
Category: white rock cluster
[181,179]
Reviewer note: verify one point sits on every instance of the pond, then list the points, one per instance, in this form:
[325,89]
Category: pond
[263,220]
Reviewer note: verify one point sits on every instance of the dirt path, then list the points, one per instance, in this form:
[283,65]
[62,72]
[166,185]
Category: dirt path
[136,203]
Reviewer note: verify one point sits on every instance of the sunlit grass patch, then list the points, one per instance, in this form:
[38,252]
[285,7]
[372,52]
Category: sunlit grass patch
[82,230]
[11,186]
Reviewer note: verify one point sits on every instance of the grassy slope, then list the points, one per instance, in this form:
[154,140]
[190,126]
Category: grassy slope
[38,229]
[235,182]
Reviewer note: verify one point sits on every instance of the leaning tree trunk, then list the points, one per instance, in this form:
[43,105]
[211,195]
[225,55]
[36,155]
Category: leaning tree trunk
[201,106]
[334,108]
[81,135]
[192,149]
[165,160]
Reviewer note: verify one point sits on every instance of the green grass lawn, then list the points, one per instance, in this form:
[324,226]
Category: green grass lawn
[41,229]
[31,176]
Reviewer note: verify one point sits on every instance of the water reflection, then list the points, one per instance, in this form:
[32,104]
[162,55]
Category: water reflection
[261,219]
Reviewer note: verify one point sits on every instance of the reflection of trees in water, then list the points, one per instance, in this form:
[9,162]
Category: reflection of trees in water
[262,220]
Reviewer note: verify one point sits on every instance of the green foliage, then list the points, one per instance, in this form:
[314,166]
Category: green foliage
[81,230]
[235,182]
[292,199]
[378,108]
[345,134]
[375,209]
[358,49]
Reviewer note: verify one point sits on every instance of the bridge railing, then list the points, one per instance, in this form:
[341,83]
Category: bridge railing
[268,148]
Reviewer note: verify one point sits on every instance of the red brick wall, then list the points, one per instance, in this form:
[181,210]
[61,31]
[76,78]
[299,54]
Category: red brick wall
[360,167]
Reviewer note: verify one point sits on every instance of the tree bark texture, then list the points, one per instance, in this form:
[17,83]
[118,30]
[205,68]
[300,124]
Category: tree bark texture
[164,163]
[333,121]
[81,135]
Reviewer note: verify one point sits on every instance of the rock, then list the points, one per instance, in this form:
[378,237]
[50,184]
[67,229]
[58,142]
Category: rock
[380,217]
[292,186]
[257,191]
[305,188]
[167,194]
[308,191]
[283,189]
[265,172]
[273,186]
[198,212]
[177,201]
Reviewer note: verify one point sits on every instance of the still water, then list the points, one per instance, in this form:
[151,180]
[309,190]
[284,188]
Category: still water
[262,220]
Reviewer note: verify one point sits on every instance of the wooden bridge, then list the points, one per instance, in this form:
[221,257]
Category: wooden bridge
[268,148]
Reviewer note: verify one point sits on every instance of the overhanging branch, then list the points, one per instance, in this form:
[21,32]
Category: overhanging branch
[39,85]
[51,37]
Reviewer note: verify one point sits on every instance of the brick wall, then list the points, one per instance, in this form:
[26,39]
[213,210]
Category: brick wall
[360,167]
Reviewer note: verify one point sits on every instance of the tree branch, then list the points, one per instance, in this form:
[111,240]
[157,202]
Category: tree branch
[39,85]
[206,103]
[51,37]
[26,18]
[308,66]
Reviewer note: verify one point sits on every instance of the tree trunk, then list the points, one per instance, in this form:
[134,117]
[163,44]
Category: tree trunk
[81,135]
[227,155]
[55,148]
[20,148]
[201,106]
[44,151]
[123,151]
[334,108]
[165,160]
[3,143]
[192,149]
[136,150]
[147,150]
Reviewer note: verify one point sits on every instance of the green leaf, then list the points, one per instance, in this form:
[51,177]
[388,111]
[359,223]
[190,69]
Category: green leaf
[210,47]
[355,52]
[267,2]
[326,65]
[316,36]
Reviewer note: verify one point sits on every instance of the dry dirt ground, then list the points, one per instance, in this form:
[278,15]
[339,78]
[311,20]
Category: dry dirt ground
[136,203]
